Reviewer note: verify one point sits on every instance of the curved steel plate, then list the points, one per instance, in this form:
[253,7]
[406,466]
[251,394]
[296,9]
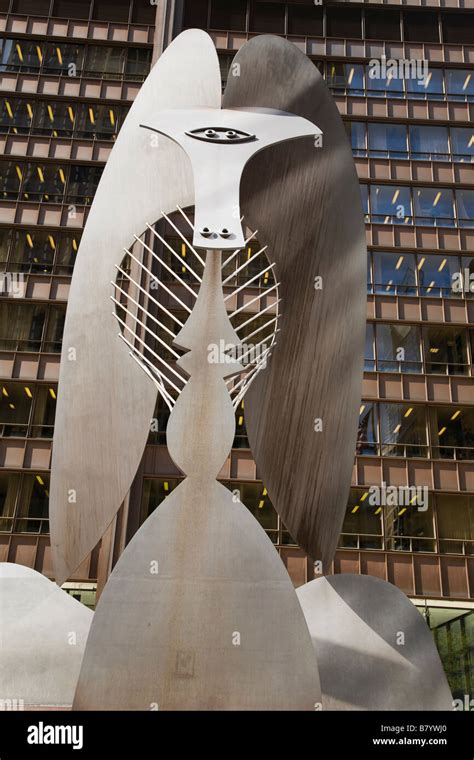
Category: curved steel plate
[105,401]
[374,649]
[305,202]
[43,632]
[199,614]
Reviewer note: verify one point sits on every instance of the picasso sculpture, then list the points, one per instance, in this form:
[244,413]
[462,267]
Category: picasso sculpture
[199,612]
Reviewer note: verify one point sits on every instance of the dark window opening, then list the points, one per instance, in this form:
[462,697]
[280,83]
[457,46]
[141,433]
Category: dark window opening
[458,27]
[72,8]
[195,14]
[267,17]
[382,25]
[344,23]
[421,27]
[305,20]
[31,7]
[143,12]
[229,14]
[111,10]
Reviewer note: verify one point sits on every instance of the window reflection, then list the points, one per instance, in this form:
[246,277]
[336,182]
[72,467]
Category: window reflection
[403,430]
[394,273]
[434,206]
[362,528]
[462,144]
[390,204]
[408,528]
[435,274]
[445,350]
[387,140]
[367,434]
[431,86]
[398,348]
[460,84]
[453,432]
[429,143]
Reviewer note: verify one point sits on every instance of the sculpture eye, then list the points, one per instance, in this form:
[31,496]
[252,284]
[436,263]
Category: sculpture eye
[222,135]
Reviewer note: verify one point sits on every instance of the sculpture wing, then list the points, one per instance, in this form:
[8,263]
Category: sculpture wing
[105,401]
[305,202]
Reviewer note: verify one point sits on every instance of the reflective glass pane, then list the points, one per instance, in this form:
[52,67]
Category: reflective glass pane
[394,273]
[435,274]
[387,140]
[460,84]
[398,348]
[434,207]
[429,143]
[446,350]
[390,204]
[431,85]
[462,140]
[403,430]
[465,207]
[367,434]
[453,432]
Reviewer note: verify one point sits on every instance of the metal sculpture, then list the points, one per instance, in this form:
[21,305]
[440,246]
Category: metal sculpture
[374,649]
[43,632]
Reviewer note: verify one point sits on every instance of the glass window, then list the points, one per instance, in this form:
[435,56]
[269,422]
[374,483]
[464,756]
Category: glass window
[434,207]
[67,250]
[356,131]
[431,85]
[445,350]
[384,82]
[33,251]
[144,12]
[105,60]
[455,517]
[387,140]
[421,26]
[20,54]
[45,182]
[390,204]
[370,288]
[99,121]
[33,506]
[460,84]
[364,196]
[21,326]
[195,14]
[467,278]
[15,115]
[71,8]
[83,183]
[429,143]
[346,76]
[367,433]
[403,430]
[362,528]
[54,328]
[465,205]
[54,118]
[382,25]
[59,56]
[435,274]
[453,432]
[138,62]
[458,28]
[369,363]
[111,10]
[341,22]
[11,175]
[394,273]
[408,528]
[15,409]
[267,17]
[44,412]
[398,348]
[9,486]
[305,20]
[5,242]
[462,140]
[31,7]
[230,15]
